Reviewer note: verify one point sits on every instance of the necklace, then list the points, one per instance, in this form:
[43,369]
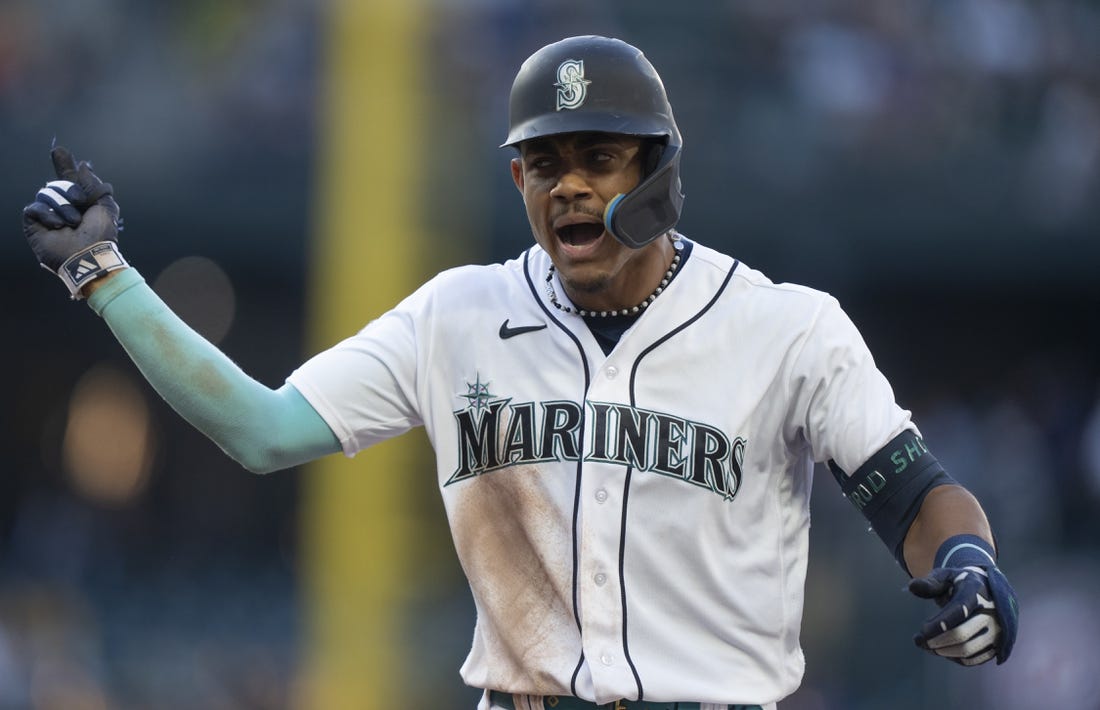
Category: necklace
[625,311]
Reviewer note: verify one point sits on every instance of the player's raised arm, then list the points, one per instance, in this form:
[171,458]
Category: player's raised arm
[72,227]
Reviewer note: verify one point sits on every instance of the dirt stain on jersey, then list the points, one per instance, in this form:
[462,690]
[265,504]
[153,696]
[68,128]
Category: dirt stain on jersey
[516,547]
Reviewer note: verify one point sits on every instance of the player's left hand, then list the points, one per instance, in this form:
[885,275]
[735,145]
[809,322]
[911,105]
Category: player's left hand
[978,614]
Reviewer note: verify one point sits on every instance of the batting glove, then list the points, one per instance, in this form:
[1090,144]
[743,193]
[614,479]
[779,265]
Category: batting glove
[72,226]
[978,614]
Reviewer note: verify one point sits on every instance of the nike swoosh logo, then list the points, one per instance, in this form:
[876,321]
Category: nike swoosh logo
[506,332]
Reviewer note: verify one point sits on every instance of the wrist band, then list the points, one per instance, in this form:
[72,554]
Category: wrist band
[87,264]
[965,551]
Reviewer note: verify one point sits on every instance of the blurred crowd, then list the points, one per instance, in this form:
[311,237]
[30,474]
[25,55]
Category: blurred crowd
[935,164]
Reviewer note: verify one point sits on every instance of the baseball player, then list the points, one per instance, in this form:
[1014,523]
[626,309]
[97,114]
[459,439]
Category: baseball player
[625,420]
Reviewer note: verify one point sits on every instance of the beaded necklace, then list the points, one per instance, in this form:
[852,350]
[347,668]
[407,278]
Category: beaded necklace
[625,311]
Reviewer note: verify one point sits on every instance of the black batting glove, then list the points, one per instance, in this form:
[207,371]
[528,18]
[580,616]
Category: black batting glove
[72,226]
[978,614]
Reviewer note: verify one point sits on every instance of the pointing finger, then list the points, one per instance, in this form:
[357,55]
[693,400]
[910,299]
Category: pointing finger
[64,165]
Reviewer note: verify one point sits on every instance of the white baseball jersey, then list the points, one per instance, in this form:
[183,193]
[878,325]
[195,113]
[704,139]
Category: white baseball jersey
[632,525]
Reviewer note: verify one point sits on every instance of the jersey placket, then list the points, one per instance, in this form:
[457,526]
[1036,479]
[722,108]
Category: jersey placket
[601,594]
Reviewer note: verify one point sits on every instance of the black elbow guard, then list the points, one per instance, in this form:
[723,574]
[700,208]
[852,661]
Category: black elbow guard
[890,487]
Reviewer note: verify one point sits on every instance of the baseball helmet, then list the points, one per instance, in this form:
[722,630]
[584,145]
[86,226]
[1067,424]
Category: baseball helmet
[605,85]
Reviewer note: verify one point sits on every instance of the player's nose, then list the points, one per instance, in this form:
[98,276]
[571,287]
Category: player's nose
[571,185]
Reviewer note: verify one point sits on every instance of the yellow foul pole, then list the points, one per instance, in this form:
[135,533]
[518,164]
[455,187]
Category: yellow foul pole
[367,239]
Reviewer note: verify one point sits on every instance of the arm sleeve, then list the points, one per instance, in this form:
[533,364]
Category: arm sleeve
[261,428]
[890,487]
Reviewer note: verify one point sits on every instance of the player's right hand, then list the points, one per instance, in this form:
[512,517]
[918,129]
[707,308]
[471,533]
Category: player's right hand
[72,226]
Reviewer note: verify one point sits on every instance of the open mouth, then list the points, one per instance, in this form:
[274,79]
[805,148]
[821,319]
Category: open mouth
[579,234]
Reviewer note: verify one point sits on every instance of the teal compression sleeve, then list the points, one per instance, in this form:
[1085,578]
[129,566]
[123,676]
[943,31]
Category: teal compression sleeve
[261,428]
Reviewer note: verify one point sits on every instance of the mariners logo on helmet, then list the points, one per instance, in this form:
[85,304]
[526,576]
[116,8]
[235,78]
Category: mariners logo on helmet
[572,86]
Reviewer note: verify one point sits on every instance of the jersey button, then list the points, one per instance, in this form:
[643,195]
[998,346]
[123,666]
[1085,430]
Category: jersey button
[607,659]
[611,372]
[600,579]
[601,496]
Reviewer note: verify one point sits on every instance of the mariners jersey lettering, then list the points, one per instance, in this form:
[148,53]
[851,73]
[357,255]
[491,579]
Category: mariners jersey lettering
[596,500]
[499,434]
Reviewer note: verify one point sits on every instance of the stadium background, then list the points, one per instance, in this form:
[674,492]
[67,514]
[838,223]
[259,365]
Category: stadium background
[288,170]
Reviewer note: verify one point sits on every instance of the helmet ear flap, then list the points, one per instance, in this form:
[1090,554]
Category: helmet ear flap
[653,207]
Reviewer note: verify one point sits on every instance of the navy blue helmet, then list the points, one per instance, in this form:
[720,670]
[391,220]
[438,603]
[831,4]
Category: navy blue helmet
[605,85]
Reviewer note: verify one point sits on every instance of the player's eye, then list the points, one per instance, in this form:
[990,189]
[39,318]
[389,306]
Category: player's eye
[601,158]
[539,162]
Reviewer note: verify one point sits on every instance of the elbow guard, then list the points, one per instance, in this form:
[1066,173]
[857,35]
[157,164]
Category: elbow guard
[890,487]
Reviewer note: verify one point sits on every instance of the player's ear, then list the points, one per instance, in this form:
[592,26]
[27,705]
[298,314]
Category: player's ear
[517,173]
